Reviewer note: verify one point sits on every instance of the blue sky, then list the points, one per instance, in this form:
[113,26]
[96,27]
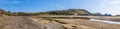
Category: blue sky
[93,6]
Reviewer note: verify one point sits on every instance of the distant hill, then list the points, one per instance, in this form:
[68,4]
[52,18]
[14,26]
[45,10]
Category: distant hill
[3,12]
[57,12]
[70,12]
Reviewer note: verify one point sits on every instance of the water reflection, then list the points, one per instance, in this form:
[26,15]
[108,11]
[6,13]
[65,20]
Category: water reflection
[105,21]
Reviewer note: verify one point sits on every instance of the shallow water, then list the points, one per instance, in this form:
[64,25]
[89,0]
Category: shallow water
[105,21]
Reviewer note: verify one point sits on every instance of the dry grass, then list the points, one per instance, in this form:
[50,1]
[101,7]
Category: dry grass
[83,24]
[17,23]
[97,25]
[51,23]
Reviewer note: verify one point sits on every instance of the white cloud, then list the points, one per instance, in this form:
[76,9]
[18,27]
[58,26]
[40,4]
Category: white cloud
[110,6]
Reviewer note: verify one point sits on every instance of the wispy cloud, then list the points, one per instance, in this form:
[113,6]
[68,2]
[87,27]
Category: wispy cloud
[110,6]
[12,1]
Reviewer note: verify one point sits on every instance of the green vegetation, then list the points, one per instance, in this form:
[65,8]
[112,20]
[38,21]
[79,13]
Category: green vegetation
[117,15]
[51,19]
[3,12]
[58,12]
[64,27]
[60,22]
[8,13]
[69,12]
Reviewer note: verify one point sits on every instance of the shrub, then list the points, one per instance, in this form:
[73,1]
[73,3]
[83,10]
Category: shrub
[60,22]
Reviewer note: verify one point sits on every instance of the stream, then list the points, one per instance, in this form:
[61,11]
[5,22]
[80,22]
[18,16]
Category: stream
[105,21]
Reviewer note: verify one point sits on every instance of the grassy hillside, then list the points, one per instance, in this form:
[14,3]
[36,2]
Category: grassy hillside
[3,12]
[57,12]
[68,12]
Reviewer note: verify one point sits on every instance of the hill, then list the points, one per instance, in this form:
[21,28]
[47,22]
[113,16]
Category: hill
[57,12]
[68,12]
[3,12]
